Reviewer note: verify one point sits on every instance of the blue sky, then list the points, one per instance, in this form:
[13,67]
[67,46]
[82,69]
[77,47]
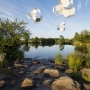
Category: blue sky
[47,28]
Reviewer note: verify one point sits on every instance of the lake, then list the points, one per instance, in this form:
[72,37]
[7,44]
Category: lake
[47,51]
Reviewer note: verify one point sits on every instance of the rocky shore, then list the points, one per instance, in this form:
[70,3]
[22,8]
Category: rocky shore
[33,74]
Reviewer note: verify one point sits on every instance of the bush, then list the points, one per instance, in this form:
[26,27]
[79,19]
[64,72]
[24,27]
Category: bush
[88,60]
[81,48]
[14,53]
[76,43]
[58,59]
[75,61]
[3,63]
[76,75]
[88,57]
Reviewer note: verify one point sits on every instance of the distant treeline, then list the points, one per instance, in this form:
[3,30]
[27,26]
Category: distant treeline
[49,41]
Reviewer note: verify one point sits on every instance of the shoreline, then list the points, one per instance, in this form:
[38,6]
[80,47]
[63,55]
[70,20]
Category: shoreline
[14,75]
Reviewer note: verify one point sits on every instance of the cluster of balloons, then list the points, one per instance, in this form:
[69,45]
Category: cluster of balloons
[61,27]
[64,7]
[35,14]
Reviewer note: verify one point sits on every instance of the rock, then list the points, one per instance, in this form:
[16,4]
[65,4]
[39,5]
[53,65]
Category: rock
[86,86]
[47,82]
[39,70]
[13,81]
[21,72]
[9,68]
[26,66]
[18,65]
[2,83]
[52,72]
[15,62]
[85,74]
[65,83]
[27,83]
[68,71]
[34,62]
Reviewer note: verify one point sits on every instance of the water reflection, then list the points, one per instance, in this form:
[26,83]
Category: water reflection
[61,47]
[38,51]
[36,45]
[26,48]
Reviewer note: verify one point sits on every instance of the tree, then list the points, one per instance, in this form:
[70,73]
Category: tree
[61,40]
[11,31]
[76,36]
[10,35]
[26,36]
[83,37]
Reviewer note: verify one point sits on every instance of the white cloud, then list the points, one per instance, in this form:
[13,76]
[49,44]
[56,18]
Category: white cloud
[79,5]
[87,1]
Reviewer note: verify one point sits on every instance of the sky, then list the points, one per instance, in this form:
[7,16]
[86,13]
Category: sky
[47,28]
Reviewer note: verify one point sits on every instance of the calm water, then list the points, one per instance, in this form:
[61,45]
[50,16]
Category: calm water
[47,51]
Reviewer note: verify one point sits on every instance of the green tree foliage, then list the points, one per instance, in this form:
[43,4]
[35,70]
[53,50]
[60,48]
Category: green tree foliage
[61,40]
[26,36]
[10,35]
[43,40]
[81,48]
[11,32]
[83,37]
[26,48]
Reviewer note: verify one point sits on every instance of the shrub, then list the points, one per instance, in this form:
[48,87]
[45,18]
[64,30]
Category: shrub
[58,59]
[81,48]
[76,43]
[76,75]
[88,57]
[75,61]
[88,60]
[14,53]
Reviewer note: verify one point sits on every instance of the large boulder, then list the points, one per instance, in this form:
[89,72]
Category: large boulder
[52,72]
[27,83]
[86,74]
[65,83]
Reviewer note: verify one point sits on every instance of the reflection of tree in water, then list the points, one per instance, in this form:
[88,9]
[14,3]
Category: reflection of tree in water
[61,47]
[41,44]
[26,48]
[36,45]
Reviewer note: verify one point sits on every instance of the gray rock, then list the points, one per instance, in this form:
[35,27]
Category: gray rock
[68,71]
[65,83]
[2,83]
[47,82]
[21,72]
[39,70]
[27,83]
[52,72]
[86,86]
